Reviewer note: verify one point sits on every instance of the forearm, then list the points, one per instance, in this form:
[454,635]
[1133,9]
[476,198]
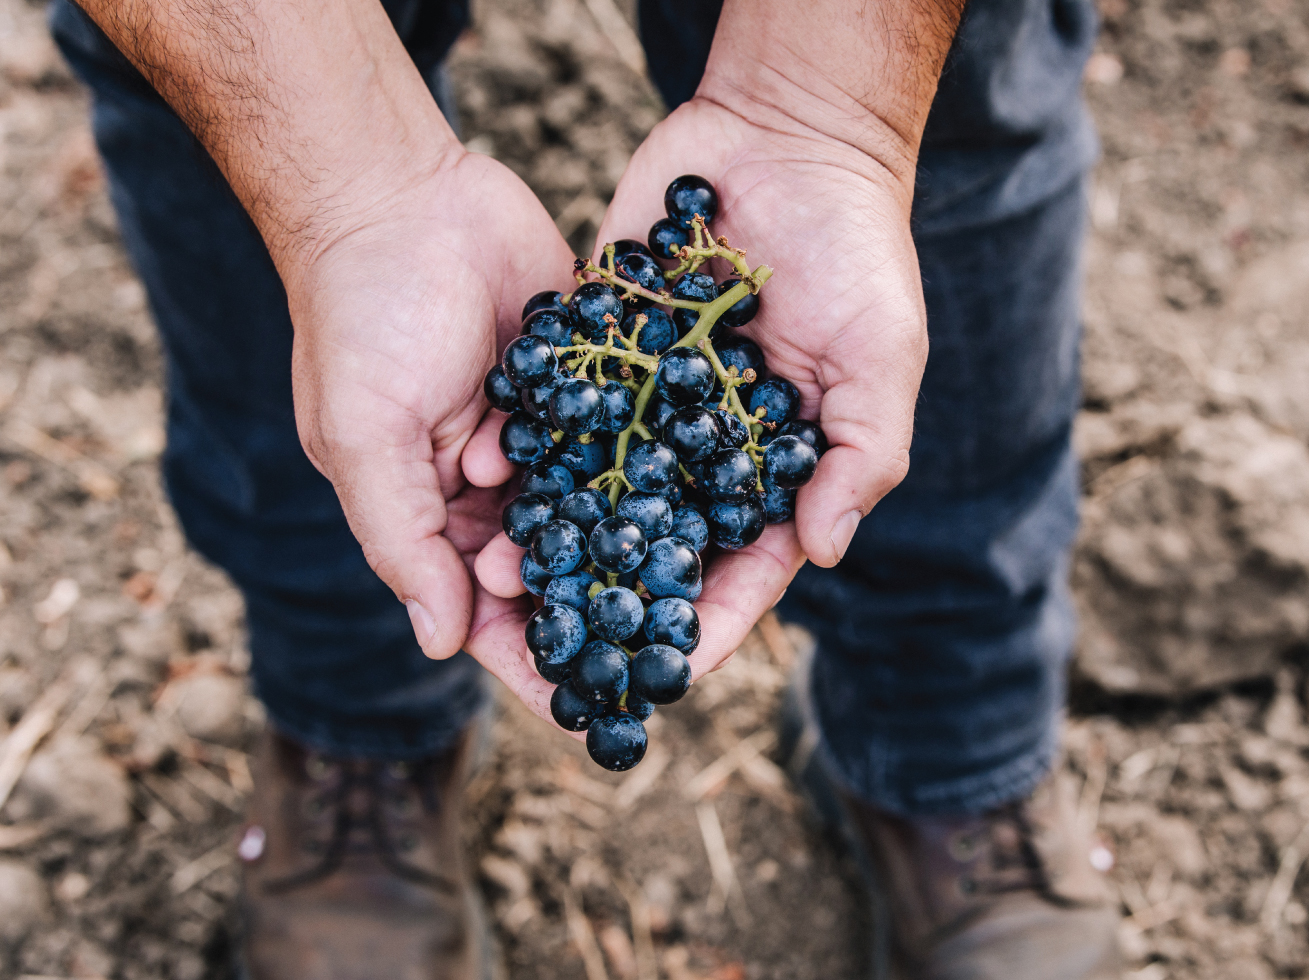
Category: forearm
[857,73]
[313,111]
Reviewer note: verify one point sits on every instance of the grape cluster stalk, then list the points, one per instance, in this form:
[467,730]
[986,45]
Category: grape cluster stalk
[649,432]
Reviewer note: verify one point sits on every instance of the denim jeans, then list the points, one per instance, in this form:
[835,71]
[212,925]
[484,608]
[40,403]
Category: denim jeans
[943,635]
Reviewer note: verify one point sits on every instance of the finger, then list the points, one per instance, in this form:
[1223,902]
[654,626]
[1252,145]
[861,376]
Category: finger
[483,463]
[739,587]
[499,568]
[496,642]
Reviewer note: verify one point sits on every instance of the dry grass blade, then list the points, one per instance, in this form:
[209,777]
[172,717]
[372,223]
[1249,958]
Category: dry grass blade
[1288,869]
[37,723]
[190,875]
[583,936]
[775,638]
[718,771]
[1097,775]
[642,779]
[19,835]
[720,859]
[581,209]
[614,26]
[210,785]
[175,798]
[647,967]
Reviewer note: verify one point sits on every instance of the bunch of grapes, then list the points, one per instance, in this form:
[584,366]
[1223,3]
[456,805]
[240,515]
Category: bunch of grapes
[648,432]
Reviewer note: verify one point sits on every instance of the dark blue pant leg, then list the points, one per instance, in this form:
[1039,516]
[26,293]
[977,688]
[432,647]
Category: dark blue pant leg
[333,654]
[944,634]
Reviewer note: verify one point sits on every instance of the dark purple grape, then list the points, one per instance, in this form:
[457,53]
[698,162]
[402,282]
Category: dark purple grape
[660,674]
[626,246]
[576,406]
[556,633]
[616,741]
[548,479]
[585,460]
[688,196]
[549,299]
[689,525]
[692,432]
[573,589]
[571,711]
[810,432]
[657,411]
[789,462]
[732,433]
[600,672]
[729,475]
[698,288]
[554,673]
[651,511]
[619,406]
[638,708]
[524,439]
[617,545]
[556,326]
[615,614]
[536,401]
[499,390]
[590,305]
[650,467]
[779,397]
[667,238]
[779,504]
[743,354]
[525,515]
[742,311]
[656,336]
[672,493]
[585,507]
[558,547]
[735,525]
[529,361]
[534,577]
[673,621]
[685,376]
[640,268]
[671,567]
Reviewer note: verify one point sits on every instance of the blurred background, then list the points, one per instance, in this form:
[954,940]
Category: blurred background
[123,707]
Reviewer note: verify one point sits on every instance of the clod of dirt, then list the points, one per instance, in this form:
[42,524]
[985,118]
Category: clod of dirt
[73,787]
[23,902]
[1194,566]
[210,706]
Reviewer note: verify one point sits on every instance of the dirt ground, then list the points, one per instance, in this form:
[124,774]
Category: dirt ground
[122,654]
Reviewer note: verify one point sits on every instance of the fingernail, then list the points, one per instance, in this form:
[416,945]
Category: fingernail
[422,622]
[844,532]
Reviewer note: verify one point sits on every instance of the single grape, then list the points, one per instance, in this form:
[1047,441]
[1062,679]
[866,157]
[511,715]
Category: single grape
[688,196]
[667,237]
[689,525]
[571,711]
[573,589]
[810,432]
[590,304]
[658,334]
[524,515]
[576,406]
[692,432]
[558,547]
[673,621]
[642,269]
[616,741]
[650,467]
[548,479]
[619,406]
[600,672]
[626,246]
[743,354]
[536,401]
[499,390]
[535,578]
[732,433]
[742,311]
[549,299]
[638,708]
[685,376]
[657,411]
[556,633]
[670,568]
[729,475]
[651,511]
[586,507]
[779,397]
[556,326]
[697,287]
[554,673]
[735,525]
[693,593]
[789,462]
[617,545]
[585,461]
[529,361]
[660,674]
[779,504]
[615,614]
[672,493]
[525,440]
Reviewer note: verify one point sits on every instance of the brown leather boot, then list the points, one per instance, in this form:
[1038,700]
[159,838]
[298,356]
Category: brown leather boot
[354,871]
[1010,895]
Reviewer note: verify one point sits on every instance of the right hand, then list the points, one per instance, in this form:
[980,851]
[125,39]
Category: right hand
[397,320]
